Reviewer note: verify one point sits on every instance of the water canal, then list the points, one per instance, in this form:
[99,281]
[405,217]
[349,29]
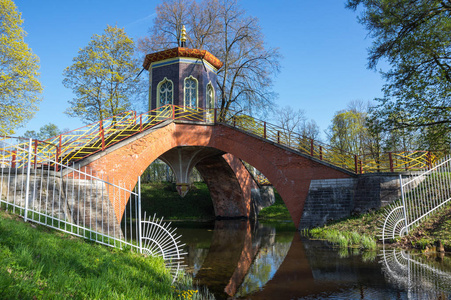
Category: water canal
[238,260]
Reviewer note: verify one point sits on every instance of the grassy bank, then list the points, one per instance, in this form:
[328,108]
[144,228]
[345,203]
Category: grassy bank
[162,198]
[436,228]
[276,212]
[40,263]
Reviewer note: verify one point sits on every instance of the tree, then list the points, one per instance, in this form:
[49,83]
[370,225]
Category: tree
[224,29]
[414,38]
[310,130]
[290,121]
[19,86]
[103,76]
[351,131]
[45,132]
[295,122]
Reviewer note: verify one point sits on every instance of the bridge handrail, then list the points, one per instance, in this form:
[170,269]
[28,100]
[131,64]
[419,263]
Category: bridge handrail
[95,137]
[363,163]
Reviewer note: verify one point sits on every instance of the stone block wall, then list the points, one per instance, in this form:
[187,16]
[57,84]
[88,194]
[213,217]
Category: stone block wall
[333,199]
[78,201]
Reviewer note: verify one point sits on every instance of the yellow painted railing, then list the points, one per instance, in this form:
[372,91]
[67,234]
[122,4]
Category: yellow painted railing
[82,142]
[384,162]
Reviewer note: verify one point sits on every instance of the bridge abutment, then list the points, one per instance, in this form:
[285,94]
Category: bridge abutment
[333,199]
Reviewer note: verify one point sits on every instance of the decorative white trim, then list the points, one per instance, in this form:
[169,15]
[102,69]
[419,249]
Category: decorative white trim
[212,100]
[184,91]
[158,91]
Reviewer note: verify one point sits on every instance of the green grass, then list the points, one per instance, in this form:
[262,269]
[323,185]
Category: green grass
[40,263]
[276,212]
[344,239]
[162,198]
[436,227]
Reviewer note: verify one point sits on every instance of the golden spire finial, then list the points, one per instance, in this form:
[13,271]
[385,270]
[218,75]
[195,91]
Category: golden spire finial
[183,38]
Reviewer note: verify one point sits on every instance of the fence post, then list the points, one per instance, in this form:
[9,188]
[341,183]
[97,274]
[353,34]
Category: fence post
[139,216]
[356,164]
[102,135]
[278,137]
[59,151]
[264,130]
[321,152]
[429,160]
[215,116]
[35,153]
[140,123]
[403,203]
[27,189]
[13,159]
[173,112]
[57,158]
[311,147]
[391,161]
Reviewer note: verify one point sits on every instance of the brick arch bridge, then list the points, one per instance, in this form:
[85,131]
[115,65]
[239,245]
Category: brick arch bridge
[290,172]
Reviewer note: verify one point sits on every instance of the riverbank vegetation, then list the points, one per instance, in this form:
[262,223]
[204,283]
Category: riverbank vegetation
[436,228]
[276,212]
[162,199]
[37,262]
[344,238]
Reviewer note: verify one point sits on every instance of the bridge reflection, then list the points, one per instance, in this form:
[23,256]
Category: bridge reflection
[242,257]
[239,260]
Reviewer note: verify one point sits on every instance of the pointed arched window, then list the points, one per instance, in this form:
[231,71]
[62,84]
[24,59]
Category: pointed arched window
[165,92]
[210,99]
[191,97]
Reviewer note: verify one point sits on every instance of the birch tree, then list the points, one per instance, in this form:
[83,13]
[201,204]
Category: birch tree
[103,76]
[19,85]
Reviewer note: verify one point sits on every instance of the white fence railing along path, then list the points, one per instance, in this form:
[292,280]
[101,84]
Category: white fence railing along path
[82,203]
[421,195]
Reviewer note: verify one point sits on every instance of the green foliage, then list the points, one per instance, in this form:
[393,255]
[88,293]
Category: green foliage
[276,212]
[103,76]
[414,38]
[348,131]
[421,243]
[19,85]
[162,199]
[351,131]
[45,132]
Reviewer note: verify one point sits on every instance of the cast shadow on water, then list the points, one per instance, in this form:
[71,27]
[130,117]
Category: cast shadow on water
[240,260]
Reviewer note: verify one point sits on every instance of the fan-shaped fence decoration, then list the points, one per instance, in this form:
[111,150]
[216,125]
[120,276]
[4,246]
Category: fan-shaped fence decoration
[159,239]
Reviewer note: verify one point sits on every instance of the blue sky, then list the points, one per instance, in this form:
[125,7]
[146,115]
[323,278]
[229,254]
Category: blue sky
[324,50]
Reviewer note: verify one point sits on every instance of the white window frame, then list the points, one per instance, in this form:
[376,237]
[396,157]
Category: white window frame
[158,91]
[185,94]
[212,100]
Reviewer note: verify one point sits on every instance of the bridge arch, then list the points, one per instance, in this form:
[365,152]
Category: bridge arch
[288,171]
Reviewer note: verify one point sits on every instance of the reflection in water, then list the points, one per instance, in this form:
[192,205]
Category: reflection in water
[236,259]
[421,278]
[265,265]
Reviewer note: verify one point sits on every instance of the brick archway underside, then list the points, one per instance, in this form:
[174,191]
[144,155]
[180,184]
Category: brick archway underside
[289,172]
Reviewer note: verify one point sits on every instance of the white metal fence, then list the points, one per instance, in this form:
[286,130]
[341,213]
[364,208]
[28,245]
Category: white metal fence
[420,277]
[421,195]
[81,203]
